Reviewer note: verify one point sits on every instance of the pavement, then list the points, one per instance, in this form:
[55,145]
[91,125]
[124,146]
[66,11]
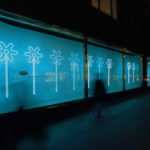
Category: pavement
[122,126]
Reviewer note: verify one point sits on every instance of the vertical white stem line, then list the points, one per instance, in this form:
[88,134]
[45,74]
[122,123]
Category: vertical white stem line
[6,76]
[99,68]
[88,76]
[128,76]
[133,76]
[56,77]
[74,77]
[33,74]
[108,77]
[137,74]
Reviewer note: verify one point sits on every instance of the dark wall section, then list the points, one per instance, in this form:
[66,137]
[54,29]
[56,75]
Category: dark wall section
[132,22]
[75,15]
[128,31]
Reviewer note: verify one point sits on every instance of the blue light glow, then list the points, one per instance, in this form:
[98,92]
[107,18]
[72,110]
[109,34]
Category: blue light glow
[107,66]
[53,72]
[39,69]
[133,71]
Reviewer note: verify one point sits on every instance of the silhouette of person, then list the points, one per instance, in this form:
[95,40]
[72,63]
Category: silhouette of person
[99,95]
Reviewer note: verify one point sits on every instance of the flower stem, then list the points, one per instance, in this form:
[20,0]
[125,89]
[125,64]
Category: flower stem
[88,76]
[99,71]
[56,77]
[128,76]
[133,76]
[108,77]
[74,77]
[33,74]
[6,76]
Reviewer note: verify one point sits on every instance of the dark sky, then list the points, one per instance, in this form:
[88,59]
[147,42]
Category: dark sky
[130,30]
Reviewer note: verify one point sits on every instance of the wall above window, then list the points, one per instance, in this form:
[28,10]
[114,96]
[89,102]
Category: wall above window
[109,7]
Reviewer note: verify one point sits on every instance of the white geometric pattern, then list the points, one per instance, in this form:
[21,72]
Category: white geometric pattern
[33,57]
[7,55]
[74,65]
[56,60]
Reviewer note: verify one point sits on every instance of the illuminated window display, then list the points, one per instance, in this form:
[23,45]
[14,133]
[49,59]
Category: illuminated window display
[133,71]
[38,69]
[104,64]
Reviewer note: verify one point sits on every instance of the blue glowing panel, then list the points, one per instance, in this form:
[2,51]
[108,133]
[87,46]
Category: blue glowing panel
[148,71]
[106,65]
[133,71]
[38,69]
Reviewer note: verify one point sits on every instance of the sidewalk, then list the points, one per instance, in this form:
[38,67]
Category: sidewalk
[123,126]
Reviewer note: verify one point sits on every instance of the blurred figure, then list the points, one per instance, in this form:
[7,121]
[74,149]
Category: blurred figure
[99,96]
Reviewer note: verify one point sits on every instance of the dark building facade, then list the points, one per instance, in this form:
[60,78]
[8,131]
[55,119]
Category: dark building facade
[122,23]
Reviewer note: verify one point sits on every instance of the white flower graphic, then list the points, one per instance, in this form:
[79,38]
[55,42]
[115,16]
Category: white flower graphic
[99,63]
[7,55]
[133,71]
[90,61]
[56,60]
[137,76]
[129,66]
[74,65]
[33,58]
[109,66]
[33,55]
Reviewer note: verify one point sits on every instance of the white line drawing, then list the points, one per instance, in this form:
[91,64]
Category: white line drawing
[56,60]
[90,61]
[133,71]
[99,63]
[33,58]
[129,66]
[109,66]
[7,55]
[137,72]
[74,65]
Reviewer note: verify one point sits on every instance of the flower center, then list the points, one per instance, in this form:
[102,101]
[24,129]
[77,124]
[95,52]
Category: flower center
[6,51]
[33,55]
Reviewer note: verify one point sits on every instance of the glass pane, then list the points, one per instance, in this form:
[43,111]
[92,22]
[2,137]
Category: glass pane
[133,71]
[38,69]
[106,65]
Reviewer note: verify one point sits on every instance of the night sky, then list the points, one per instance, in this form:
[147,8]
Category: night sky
[130,30]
